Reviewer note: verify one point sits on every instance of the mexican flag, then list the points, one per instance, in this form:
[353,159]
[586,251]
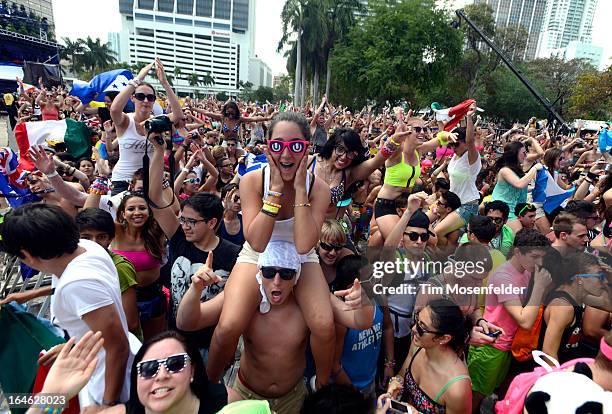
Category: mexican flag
[75,135]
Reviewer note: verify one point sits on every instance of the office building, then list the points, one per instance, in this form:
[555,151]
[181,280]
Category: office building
[214,37]
[42,8]
[579,50]
[260,74]
[565,21]
[114,41]
[526,13]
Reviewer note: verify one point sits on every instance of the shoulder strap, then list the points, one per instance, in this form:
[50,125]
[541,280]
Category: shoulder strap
[449,383]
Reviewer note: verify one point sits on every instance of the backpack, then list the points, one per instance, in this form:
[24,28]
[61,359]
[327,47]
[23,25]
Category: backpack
[519,388]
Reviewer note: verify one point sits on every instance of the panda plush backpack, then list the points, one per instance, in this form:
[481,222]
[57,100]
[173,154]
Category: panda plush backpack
[549,390]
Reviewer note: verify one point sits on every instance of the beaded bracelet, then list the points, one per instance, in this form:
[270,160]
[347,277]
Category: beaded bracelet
[274,193]
[302,205]
[269,203]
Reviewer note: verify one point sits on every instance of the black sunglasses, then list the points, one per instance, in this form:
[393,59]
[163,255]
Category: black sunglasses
[497,220]
[142,96]
[419,129]
[420,330]
[175,363]
[284,273]
[330,247]
[414,236]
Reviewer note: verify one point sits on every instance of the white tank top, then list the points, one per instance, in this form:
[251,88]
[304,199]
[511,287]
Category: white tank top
[131,150]
[462,176]
[283,229]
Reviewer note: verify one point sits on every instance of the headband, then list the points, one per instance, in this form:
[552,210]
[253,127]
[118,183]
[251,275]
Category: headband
[605,349]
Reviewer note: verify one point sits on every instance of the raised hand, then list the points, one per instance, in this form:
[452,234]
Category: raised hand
[42,160]
[145,71]
[74,365]
[205,276]
[300,175]
[276,180]
[229,199]
[352,296]
[417,200]
[159,70]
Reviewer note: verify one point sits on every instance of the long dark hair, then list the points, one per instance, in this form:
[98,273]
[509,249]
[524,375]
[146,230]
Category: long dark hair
[447,319]
[510,159]
[350,138]
[152,234]
[200,381]
[232,105]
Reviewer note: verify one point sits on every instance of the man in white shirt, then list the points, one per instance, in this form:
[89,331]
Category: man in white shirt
[87,295]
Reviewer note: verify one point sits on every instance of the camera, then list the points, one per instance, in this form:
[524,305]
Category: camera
[159,124]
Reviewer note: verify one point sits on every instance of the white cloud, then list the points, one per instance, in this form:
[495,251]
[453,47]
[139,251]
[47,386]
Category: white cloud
[601,30]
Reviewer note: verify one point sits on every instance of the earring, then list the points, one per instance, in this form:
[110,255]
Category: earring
[191,379]
[124,222]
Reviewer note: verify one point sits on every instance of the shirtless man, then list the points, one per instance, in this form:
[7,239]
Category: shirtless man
[273,363]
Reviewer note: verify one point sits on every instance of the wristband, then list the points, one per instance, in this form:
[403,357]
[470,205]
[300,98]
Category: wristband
[270,209]
[165,184]
[267,213]
[269,203]
[443,138]
[302,205]
[185,170]
[274,193]
[53,174]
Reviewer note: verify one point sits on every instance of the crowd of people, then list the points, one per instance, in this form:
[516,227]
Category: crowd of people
[234,257]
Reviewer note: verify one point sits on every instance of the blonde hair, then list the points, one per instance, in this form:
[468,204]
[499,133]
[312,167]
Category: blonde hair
[332,230]
[218,152]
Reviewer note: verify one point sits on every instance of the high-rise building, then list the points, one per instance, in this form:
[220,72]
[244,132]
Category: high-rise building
[579,50]
[565,21]
[42,8]
[260,74]
[214,37]
[526,13]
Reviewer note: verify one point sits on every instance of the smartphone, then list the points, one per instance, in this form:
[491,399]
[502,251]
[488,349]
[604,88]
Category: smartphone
[494,334]
[399,407]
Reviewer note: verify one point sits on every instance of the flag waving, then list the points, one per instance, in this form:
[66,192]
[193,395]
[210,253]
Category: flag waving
[75,135]
[96,89]
[548,192]
[452,116]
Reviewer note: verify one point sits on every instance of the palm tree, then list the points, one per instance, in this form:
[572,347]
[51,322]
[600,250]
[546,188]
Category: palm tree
[73,52]
[97,55]
[177,72]
[340,19]
[292,17]
[208,80]
[193,79]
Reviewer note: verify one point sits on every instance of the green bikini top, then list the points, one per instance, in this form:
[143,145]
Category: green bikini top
[403,174]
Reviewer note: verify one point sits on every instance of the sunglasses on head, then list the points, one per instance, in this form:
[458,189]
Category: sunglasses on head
[284,273]
[278,146]
[142,96]
[419,129]
[174,364]
[600,276]
[329,247]
[527,206]
[193,180]
[414,236]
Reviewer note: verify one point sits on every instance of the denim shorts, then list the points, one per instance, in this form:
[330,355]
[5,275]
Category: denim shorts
[467,211]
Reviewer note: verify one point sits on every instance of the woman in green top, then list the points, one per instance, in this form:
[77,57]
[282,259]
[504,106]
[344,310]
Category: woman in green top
[403,169]
[512,182]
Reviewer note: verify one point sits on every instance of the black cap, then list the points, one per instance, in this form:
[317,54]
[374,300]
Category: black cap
[420,220]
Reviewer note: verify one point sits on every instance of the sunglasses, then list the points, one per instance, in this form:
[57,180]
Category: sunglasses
[284,273]
[174,364]
[422,330]
[142,96]
[278,146]
[194,180]
[419,129]
[600,276]
[330,247]
[497,220]
[340,150]
[529,207]
[414,236]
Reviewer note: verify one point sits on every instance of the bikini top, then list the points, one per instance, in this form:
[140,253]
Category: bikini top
[415,396]
[336,192]
[225,128]
[403,174]
[142,259]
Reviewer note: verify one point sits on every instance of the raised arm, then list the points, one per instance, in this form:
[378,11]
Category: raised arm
[473,153]
[511,178]
[414,203]
[366,168]
[116,110]
[177,111]
[212,115]
[164,215]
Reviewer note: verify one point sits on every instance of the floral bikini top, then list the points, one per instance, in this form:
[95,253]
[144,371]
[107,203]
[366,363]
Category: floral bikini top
[416,397]
[225,128]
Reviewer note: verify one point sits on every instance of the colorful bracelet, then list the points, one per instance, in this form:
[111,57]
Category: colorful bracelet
[270,209]
[269,203]
[267,213]
[274,193]
[443,138]
[302,205]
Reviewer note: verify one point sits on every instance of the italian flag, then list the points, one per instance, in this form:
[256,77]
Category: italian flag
[75,135]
